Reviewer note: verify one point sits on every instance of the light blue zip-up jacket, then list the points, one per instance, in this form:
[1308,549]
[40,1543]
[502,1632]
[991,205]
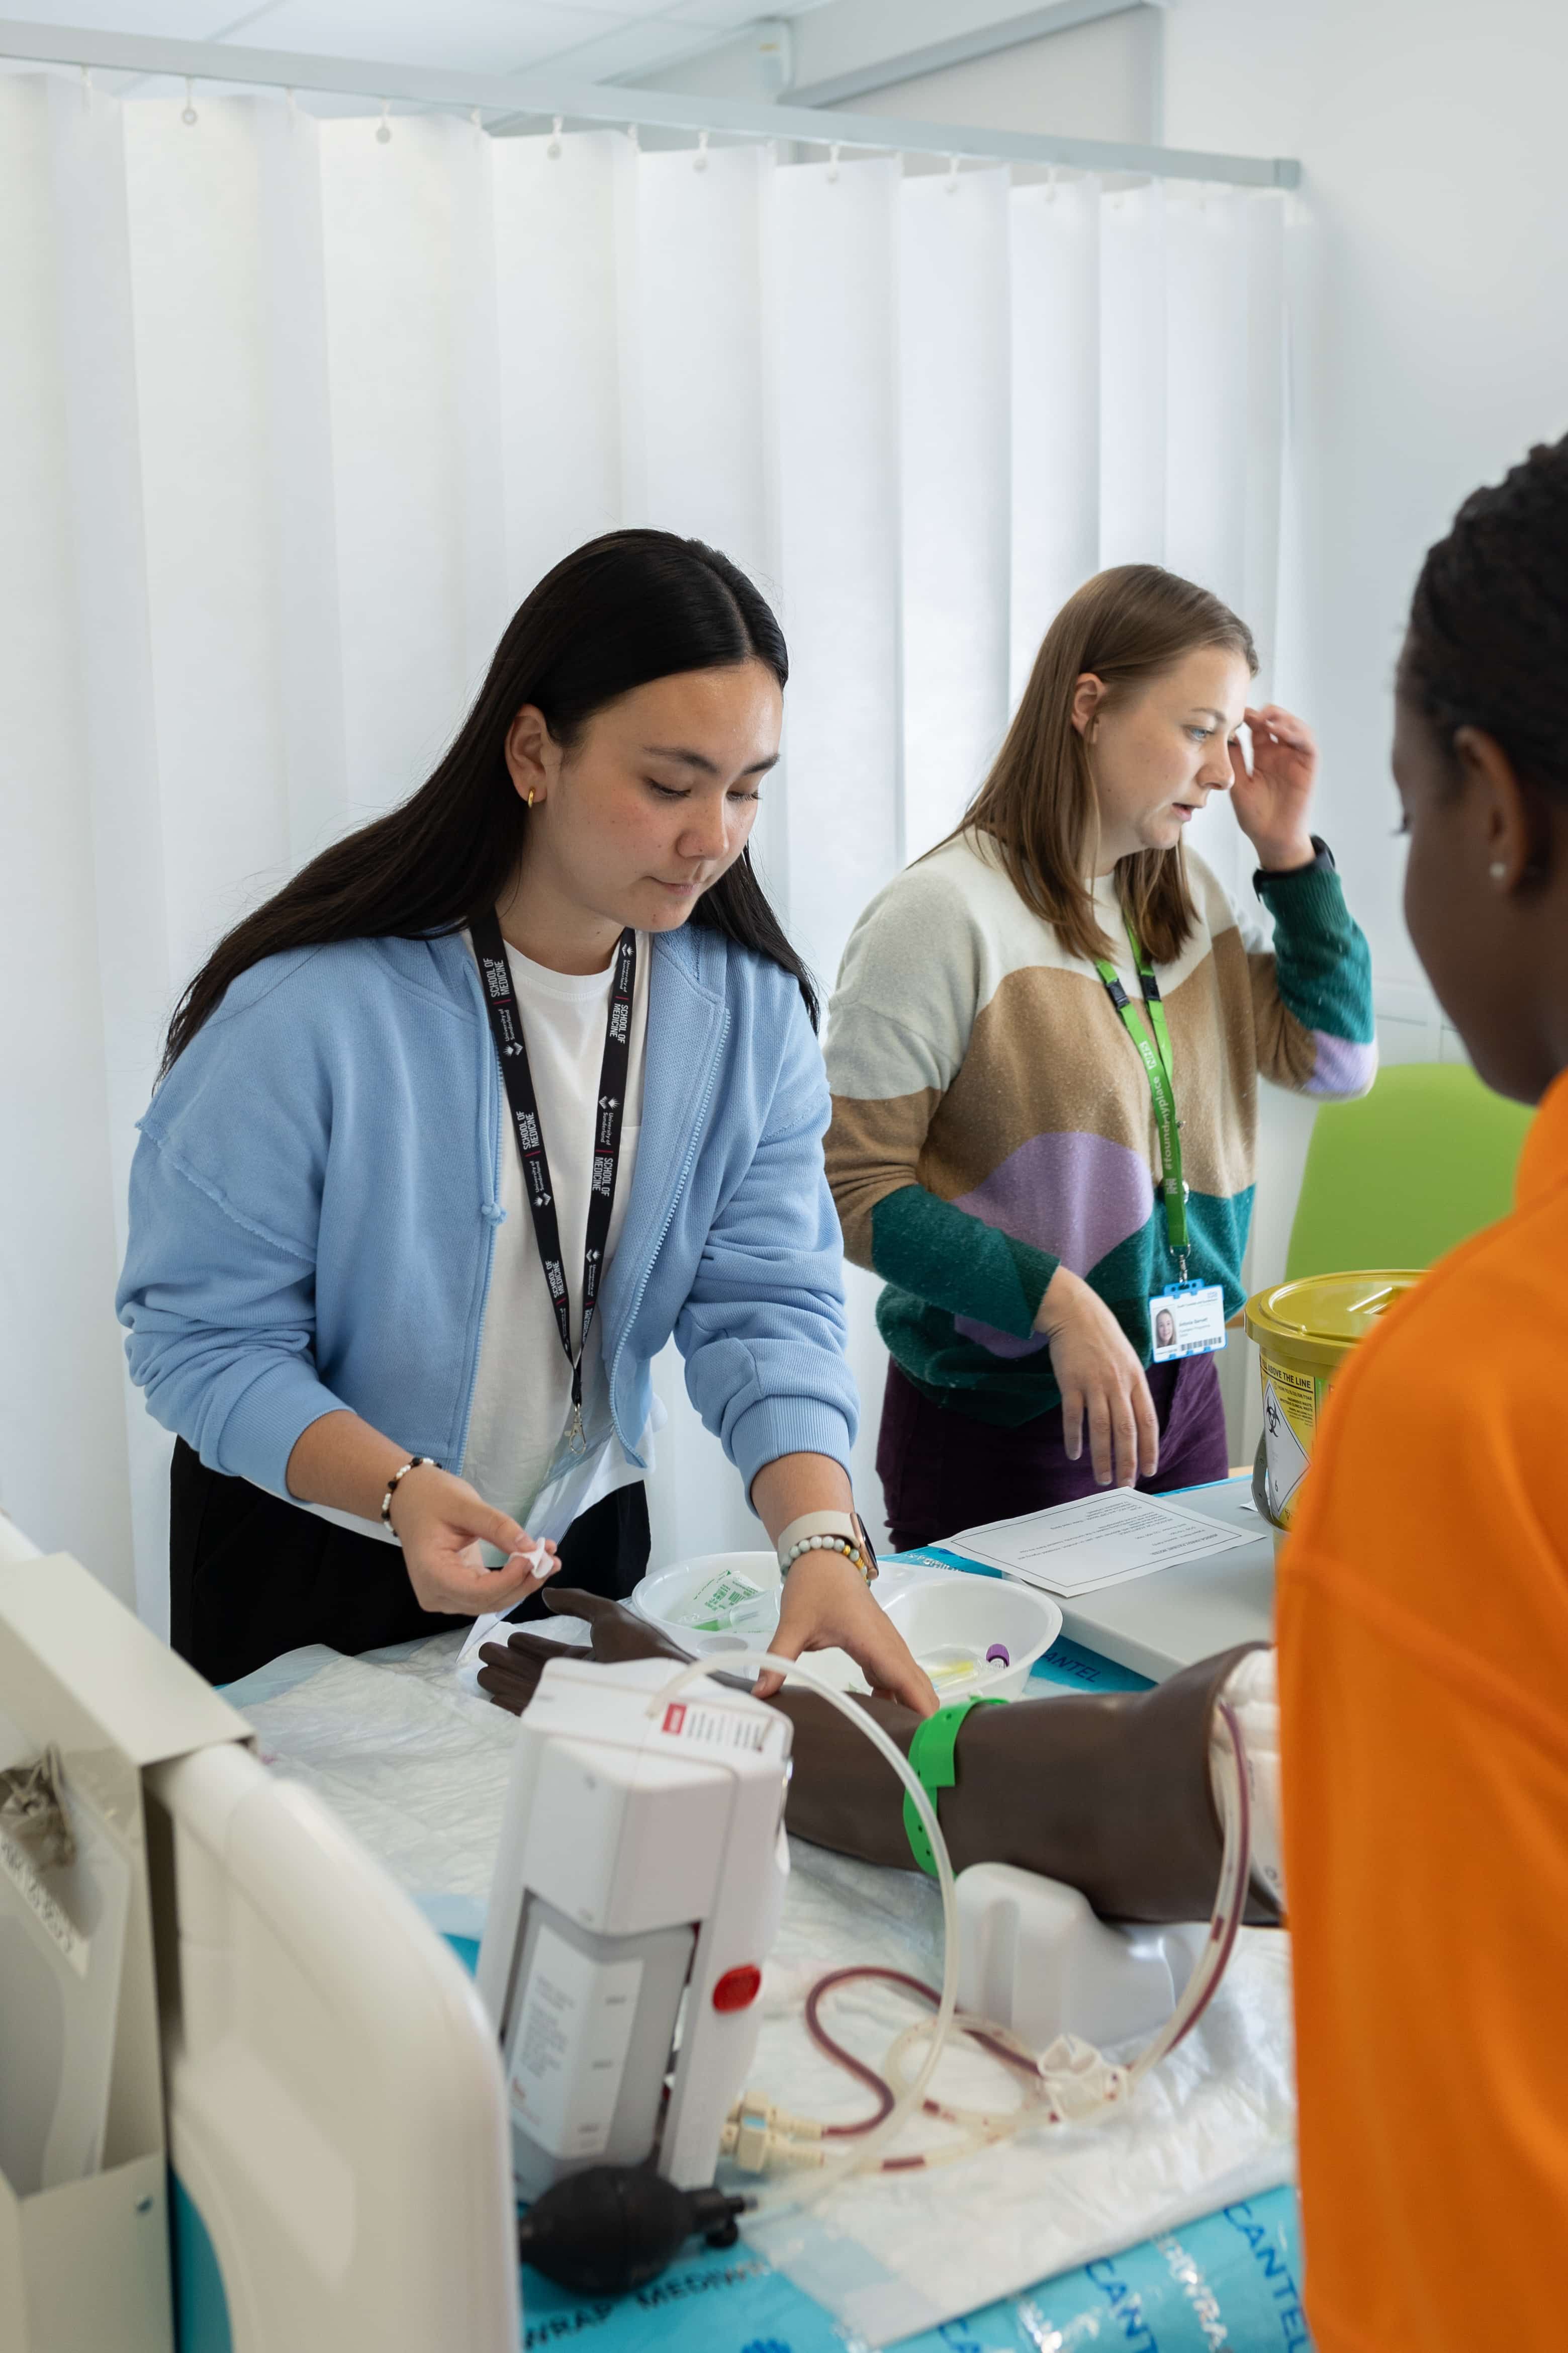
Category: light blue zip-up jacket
[315,1195]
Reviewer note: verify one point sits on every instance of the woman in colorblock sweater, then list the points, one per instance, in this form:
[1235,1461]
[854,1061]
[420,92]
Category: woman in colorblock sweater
[1043,1051]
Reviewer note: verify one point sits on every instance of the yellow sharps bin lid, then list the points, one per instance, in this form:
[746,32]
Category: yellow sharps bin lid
[1319,1319]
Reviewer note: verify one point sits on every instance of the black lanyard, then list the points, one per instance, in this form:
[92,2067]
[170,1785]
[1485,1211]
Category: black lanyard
[506,1028]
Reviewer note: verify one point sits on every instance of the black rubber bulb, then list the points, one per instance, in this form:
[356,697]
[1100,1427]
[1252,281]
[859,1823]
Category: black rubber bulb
[617,2226]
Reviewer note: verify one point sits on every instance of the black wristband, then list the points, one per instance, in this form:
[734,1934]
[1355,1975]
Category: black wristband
[1323,862]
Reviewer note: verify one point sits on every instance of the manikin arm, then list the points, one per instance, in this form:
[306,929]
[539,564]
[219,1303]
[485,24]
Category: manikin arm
[1109,1794]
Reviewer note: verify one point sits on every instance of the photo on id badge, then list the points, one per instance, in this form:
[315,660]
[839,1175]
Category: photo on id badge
[1186,1321]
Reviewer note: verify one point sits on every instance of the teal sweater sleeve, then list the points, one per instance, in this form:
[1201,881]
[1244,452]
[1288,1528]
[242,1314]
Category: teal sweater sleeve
[1323,964]
[956,1262]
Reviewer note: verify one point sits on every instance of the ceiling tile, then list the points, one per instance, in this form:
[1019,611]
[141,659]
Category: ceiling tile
[718,15]
[639,8]
[465,35]
[592,38]
[169,20]
[635,49]
[733,15]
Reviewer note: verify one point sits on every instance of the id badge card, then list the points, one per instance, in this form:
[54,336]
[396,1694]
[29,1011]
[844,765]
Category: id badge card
[1188,1320]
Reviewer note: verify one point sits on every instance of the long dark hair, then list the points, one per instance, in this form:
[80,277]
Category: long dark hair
[1488,645]
[625,609]
[1038,803]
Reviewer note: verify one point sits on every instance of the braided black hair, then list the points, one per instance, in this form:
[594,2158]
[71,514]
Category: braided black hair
[1489,622]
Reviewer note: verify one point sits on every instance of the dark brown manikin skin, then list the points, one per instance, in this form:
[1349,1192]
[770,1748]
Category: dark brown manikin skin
[1109,1794]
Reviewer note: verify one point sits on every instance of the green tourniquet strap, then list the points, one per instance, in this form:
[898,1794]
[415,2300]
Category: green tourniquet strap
[931,1754]
[1156,1056]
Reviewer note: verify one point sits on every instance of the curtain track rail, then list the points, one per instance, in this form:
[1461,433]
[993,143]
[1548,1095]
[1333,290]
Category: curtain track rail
[581,103]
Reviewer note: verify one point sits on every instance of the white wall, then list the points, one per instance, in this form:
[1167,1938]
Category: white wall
[1094,81]
[1430,349]
[1431,344]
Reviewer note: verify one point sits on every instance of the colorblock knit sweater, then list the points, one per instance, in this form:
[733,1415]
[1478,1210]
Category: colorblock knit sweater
[992,1119]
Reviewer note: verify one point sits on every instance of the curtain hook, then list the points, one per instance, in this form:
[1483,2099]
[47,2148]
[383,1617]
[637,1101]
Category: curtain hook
[699,161]
[953,175]
[293,110]
[86,88]
[383,127]
[189,112]
[474,118]
[631,135]
[554,147]
[1050,183]
[832,161]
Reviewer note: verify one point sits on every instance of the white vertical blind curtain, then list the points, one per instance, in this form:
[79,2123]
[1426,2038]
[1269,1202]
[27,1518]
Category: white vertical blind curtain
[291,417]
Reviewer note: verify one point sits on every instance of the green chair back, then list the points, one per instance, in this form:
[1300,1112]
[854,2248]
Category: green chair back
[1425,1160]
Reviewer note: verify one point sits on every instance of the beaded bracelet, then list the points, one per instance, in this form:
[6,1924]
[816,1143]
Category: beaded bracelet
[829,1543]
[415,1462]
[825,1532]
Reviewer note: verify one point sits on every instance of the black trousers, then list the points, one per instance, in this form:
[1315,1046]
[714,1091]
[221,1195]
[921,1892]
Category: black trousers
[251,1576]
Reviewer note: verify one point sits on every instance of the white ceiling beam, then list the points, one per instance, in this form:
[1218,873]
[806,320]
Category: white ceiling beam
[985,40]
[543,96]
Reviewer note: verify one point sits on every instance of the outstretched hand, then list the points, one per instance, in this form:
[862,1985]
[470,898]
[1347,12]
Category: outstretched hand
[827,1605]
[510,1670]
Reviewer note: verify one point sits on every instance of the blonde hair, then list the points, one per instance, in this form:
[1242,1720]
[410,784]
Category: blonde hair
[1038,803]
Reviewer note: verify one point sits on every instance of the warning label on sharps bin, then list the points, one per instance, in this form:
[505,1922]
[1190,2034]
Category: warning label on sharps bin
[1291,1402]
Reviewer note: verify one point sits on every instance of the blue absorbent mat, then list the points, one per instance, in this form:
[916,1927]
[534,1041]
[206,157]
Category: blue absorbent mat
[1232,2280]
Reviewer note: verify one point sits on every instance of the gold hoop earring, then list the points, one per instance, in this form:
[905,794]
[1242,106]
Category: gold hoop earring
[531,799]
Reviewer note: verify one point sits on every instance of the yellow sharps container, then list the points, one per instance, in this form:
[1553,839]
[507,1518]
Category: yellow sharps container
[1304,1332]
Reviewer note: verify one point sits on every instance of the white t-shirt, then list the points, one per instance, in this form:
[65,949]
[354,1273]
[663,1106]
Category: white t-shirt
[523,1392]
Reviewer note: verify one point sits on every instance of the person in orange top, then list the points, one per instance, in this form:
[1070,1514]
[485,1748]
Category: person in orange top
[1423,1610]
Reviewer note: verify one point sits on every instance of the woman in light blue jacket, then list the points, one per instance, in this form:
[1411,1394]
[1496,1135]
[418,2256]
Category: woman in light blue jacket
[456,1131]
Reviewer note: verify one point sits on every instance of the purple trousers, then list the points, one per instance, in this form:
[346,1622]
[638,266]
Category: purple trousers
[942,1470]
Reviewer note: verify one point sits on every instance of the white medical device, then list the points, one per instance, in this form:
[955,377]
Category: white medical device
[640,1884]
[1036,1958]
[295,2072]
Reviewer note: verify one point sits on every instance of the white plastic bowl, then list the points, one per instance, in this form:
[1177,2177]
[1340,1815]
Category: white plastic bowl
[948,1620]
[663,1595]
[662,1599]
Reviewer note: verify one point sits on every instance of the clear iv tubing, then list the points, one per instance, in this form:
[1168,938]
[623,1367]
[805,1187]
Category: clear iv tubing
[1229,1903]
[909,2099]
[1224,1925]
[1224,1922]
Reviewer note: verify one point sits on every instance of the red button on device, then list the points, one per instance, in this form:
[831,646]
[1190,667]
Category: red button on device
[738,1987]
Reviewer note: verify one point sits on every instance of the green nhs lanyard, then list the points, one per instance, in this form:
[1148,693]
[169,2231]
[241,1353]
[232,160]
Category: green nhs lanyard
[1154,1053]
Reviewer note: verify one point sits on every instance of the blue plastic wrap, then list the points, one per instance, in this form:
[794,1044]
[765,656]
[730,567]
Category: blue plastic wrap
[1232,2280]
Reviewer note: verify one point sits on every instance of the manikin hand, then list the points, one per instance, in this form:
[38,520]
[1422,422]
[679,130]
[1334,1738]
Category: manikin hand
[1112,1795]
[510,1670]
[1271,798]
